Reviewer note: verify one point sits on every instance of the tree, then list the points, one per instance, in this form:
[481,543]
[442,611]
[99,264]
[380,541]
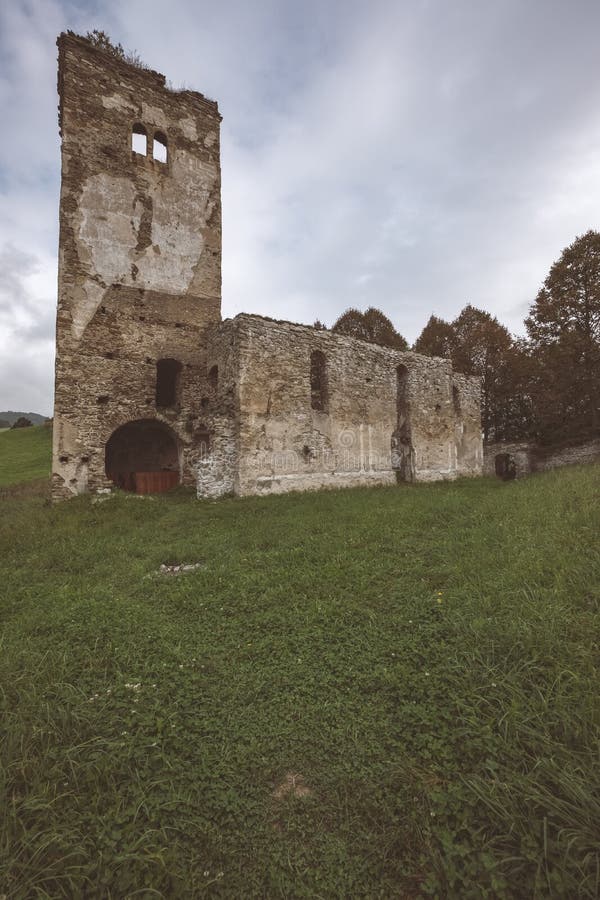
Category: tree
[511,398]
[477,344]
[436,339]
[22,422]
[564,331]
[372,326]
[318,325]
[482,346]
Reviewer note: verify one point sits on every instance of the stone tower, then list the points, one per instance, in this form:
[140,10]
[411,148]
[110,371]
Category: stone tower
[139,280]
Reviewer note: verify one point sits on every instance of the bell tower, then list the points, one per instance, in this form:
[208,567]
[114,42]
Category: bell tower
[139,279]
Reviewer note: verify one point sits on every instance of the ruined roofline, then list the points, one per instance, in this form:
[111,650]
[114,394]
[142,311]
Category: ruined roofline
[241,317]
[77,42]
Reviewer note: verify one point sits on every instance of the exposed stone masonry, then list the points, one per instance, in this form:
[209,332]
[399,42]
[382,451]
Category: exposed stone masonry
[529,457]
[151,385]
[139,258]
[282,443]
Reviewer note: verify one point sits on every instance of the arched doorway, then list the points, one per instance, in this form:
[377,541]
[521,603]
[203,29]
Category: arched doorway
[143,457]
[505,467]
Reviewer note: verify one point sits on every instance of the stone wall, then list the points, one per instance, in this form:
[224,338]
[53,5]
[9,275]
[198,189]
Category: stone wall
[364,435]
[139,259]
[529,457]
[552,458]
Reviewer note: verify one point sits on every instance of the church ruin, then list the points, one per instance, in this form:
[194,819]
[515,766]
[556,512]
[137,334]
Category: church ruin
[153,389]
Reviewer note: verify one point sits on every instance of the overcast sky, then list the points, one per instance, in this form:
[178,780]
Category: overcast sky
[412,155]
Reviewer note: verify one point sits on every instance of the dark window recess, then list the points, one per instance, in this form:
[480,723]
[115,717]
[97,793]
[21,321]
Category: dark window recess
[167,382]
[102,399]
[204,402]
[319,394]
[109,355]
[456,400]
[139,139]
[402,394]
[159,147]
[213,377]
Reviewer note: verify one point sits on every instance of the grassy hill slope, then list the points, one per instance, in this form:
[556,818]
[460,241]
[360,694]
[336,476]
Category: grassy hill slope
[370,693]
[25,454]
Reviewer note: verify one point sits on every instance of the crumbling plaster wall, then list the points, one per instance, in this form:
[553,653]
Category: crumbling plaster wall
[284,444]
[139,258]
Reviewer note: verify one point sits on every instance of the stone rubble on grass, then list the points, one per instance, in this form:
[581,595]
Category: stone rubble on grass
[106,495]
[176,570]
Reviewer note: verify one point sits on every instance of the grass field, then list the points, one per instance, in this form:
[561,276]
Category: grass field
[370,693]
[24,454]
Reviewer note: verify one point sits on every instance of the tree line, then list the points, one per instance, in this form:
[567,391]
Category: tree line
[543,387]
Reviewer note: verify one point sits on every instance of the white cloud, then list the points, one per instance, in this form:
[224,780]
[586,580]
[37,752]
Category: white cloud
[26,331]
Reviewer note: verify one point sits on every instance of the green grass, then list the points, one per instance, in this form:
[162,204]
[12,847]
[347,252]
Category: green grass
[451,748]
[25,454]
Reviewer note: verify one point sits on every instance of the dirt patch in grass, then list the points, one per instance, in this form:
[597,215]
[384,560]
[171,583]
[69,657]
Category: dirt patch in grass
[293,785]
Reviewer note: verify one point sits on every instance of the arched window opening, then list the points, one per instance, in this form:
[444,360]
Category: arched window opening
[143,456]
[159,147]
[168,372]
[213,377]
[456,400]
[319,395]
[139,139]
[402,394]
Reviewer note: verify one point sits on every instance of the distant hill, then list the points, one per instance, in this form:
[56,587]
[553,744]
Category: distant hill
[11,417]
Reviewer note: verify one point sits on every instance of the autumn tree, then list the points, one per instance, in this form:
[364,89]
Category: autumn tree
[436,339]
[480,346]
[372,325]
[564,332]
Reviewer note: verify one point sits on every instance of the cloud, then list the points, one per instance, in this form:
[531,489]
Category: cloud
[414,156]
[26,332]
